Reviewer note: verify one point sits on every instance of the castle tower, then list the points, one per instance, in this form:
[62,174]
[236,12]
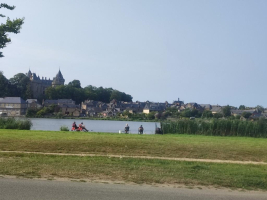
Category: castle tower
[58,80]
[29,74]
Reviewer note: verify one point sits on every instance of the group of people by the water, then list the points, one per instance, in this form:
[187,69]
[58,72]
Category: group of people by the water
[81,127]
[140,129]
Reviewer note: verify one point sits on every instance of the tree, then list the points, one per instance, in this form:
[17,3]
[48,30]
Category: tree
[242,107]
[115,94]
[238,116]
[217,115]
[246,115]
[75,83]
[151,115]
[20,86]
[186,113]
[226,110]
[11,26]
[4,85]
[259,109]
[207,114]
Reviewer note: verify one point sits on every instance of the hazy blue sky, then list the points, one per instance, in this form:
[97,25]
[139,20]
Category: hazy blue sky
[204,51]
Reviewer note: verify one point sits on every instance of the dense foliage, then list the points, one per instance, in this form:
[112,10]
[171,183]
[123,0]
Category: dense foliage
[11,123]
[20,86]
[11,26]
[219,127]
[64,128]
[75,92]
[50,111]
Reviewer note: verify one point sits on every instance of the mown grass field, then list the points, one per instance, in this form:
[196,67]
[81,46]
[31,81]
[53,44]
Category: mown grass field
[151,171]
[139,171]
[176,146]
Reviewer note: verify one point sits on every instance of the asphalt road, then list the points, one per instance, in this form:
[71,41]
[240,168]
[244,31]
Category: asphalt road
[25,189]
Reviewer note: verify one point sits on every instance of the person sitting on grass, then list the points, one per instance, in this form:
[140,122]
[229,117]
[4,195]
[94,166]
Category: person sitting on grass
[74,126]
[82,127]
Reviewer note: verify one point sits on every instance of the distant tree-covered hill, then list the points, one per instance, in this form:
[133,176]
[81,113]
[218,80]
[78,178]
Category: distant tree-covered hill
[20,86]
[75,92]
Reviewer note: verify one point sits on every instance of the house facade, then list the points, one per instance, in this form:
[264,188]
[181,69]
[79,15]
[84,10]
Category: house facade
[70,110]
[13,107]
[33,104]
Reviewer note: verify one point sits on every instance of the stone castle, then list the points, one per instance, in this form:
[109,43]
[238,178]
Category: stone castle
[38,85]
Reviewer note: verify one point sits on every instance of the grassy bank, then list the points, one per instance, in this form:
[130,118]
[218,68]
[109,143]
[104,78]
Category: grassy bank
[176,146]
[134,170]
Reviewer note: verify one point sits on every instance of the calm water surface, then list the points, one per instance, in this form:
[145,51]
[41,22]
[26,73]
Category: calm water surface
[93,125]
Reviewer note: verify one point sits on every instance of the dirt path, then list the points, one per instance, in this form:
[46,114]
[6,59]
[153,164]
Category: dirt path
[31,189]
[142,157]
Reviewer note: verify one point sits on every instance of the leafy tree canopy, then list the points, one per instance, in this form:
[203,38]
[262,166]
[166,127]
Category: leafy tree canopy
[242,107]
[4,85]
[20,86]
[11,26]
[191,113]
[78,94]
[217,115]
[207,114]
[260,108]
[246,115]
[75,83]
[226,110]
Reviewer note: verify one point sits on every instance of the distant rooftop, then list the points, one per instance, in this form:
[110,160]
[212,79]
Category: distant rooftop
[12,100]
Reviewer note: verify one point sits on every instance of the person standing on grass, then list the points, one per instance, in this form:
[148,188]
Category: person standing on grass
[127,128]
[140,130]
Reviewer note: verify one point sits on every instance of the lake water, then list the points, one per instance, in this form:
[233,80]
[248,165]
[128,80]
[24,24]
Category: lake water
[93,125]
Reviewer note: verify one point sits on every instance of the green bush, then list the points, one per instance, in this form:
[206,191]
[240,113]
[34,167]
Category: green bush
[64,128]
[31,112]
[12,123]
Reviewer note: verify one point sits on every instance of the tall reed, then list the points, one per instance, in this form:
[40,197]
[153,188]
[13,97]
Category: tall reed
[12,123]
[220,127]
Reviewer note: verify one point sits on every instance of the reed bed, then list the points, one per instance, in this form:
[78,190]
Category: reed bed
[217,127]
[12,123]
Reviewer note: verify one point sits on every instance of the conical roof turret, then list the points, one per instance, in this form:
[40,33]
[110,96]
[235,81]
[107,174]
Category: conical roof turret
[59,75]
[58,80]
[29,73]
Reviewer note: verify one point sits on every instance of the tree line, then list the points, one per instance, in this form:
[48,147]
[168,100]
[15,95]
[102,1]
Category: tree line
[20,86]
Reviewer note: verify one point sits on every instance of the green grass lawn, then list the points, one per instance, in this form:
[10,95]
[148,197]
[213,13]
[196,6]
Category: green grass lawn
[139,171]
[177,146]
[134,169]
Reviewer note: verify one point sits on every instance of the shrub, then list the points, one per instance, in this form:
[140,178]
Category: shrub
[64,128]
[31,112]
[12,123]
[59,115]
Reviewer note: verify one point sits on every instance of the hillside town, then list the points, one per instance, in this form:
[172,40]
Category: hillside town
[42,103]
[16,106]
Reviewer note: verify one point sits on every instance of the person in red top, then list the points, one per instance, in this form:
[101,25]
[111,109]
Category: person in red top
[81,127]
[74,126]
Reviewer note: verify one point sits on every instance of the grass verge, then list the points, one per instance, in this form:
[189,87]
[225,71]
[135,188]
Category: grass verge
[176,146]
[134,170]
